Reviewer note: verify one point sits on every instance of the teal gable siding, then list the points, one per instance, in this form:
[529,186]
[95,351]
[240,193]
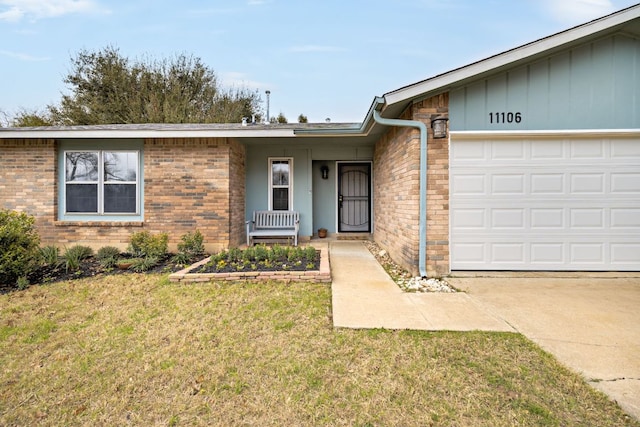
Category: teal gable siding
[592,86]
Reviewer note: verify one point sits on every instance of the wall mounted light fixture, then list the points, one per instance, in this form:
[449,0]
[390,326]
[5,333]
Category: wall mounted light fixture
[439,126]
[325,171]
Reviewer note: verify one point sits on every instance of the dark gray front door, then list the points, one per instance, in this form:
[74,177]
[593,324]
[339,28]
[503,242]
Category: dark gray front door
[354,201]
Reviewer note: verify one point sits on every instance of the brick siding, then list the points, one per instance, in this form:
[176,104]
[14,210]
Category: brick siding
[189,184]
[397,191]
[27,181]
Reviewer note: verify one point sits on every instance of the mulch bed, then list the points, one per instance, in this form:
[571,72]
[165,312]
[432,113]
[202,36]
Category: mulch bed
[278,264]
[91,267]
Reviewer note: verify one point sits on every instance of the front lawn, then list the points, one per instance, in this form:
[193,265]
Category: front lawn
[135,349]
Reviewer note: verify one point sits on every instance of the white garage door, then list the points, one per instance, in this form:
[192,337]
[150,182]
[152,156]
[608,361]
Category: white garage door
[545,204]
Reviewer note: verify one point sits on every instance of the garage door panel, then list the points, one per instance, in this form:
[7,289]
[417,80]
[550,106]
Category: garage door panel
[510,218]
[547,183]
[587,218]
[466,219]
[508,184]
[625,150]
[593,183]
[558,205]
[625,253]
[548,150]
[625,218]
[471,184]
[548,253]
[589,149]
[587,253]
[507,150]
[508,253]
[628,183]
[547,218]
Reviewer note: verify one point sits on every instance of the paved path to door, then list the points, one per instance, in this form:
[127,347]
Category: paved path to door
[590,324]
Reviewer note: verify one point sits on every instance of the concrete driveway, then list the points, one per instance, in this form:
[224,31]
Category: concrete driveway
[590,323]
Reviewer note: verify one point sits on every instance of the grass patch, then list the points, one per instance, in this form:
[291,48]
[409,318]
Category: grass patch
[135,350]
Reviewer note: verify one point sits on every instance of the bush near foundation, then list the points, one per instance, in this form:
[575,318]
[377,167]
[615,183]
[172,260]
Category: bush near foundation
[145,244]
[19,245]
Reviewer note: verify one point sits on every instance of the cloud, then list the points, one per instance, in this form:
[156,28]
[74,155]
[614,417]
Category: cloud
[16,10]
[240,80]
[311,48]
[24,56]
[578,11]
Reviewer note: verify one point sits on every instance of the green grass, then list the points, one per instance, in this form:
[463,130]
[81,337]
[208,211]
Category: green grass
[138,350]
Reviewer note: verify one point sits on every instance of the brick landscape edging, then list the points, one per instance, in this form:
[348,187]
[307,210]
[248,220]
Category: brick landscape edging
[323,275]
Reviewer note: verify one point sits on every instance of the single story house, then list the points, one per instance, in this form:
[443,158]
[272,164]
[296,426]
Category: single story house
[537,167]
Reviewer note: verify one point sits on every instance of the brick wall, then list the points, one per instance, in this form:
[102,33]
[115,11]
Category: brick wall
[397,191]
[396,186]
[27,181]
[189,184]
[237,194]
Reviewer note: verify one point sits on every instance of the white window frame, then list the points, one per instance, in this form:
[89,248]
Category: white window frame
[272,186]
[101,183]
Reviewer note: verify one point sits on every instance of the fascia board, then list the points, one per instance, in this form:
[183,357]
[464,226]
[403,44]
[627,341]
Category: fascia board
[43,133]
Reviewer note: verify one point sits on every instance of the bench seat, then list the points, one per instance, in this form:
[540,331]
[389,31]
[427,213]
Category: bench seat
[275,224]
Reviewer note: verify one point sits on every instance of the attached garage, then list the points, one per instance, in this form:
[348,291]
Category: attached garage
[544,154]
[545,203]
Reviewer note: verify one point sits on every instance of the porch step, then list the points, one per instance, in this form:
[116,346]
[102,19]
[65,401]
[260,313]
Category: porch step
[353,236]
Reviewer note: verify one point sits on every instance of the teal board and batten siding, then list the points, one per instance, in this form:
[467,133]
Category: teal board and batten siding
[592,86]
[313,197]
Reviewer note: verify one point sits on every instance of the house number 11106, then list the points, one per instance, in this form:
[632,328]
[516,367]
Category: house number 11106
[509,117]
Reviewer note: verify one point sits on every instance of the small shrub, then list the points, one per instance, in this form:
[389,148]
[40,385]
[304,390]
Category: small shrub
[145,264]
[145,244]
[19,242]
[280,252]
[249,254]
[295,254]
[181,258]
[73,257]
[192,244]
[261,252]
[22,283]
[310,253]
[50,256]
[108,256]
[234,254]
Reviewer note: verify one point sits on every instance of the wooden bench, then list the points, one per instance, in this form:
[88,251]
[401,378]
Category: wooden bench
[273,224]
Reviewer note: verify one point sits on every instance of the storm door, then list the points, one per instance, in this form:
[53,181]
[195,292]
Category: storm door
[354,197]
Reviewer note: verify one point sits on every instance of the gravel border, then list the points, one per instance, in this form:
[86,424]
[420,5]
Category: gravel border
[403,278]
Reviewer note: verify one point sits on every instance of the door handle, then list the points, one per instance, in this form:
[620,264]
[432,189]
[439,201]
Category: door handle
[340,200]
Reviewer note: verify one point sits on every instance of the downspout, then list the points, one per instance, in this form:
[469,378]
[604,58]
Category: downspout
[422,249]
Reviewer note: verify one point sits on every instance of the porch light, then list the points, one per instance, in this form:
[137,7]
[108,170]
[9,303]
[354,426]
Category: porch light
[325,171]
[439,126]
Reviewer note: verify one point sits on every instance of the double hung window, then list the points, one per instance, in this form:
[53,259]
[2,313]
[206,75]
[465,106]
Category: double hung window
[101,182]
[280,185]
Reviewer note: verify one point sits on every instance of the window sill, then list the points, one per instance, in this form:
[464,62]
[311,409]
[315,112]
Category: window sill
[98,223]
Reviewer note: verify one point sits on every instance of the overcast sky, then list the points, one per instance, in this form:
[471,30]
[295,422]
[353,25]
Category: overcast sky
[323,58]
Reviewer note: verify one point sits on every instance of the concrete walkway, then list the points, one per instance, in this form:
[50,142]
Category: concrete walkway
[590,323]
[364,296]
